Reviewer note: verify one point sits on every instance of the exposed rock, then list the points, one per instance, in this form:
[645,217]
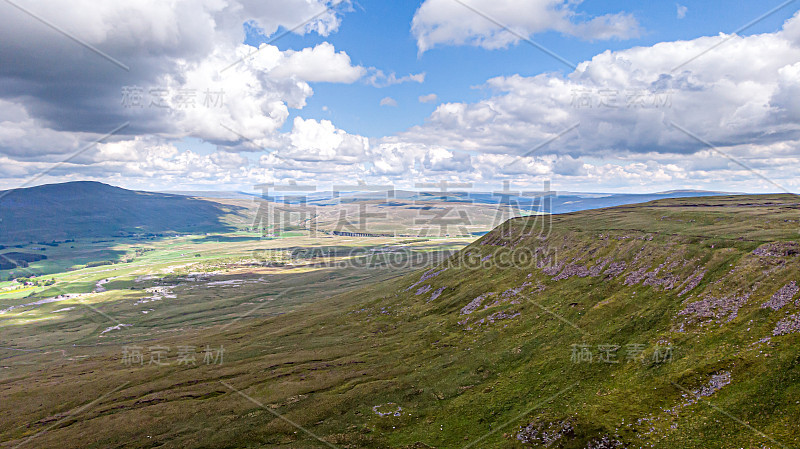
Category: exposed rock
[508,295]
[667,281]
[432,273]
[715,384]
[692,281]
[502,316]
[553,270]
[474,304]
[636,277]
[726,307]
[511,292]
[789,325]
[545,434]
[572,270]
[763,340]
[641,253]
[786,249]
[388,409]
[615,269]
[437,293]
[782,297]
[604,443]
[598,268]
[422,290]
[546,261]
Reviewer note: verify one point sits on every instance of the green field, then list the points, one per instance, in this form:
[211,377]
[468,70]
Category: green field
[201,280]
[668,298]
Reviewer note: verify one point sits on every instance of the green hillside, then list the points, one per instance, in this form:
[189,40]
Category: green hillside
[91,209]
[672,324]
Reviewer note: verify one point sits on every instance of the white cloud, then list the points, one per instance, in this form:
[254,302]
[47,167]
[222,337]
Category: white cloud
[388,101]
[430,98]
[315,141]
[440,159]
[132,30]
[318,64]
[788,92]
[739,92]
[379,79]
[740,96]
[25,137]
[682,10]
[175,47]
[446,22]
[568,166]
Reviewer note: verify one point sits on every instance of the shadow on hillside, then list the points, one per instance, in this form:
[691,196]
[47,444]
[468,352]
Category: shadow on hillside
[95,211]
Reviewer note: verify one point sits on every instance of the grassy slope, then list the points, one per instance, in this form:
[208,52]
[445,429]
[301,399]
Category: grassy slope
[461,381]
[198,302]
[96,210]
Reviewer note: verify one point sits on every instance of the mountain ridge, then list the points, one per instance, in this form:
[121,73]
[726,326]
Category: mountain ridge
[93,209]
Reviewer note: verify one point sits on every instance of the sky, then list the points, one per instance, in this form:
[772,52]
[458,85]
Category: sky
[611,96]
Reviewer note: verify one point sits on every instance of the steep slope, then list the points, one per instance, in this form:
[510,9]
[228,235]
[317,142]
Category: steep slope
[673,324]
[92,209]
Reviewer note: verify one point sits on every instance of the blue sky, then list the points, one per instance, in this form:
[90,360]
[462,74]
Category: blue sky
[317,105]
[378,33]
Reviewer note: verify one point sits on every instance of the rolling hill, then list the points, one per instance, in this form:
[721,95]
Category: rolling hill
[670,324]
[559,202]
[95,210]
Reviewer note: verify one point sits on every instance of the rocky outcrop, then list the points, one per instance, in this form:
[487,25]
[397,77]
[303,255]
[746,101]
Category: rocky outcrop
[789,325]
[782,297]
[785,249]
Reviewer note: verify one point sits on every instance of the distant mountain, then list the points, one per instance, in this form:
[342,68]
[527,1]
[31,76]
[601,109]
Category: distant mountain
[96,210]
[565,202]
[220,194]
[699,192]
[558,202]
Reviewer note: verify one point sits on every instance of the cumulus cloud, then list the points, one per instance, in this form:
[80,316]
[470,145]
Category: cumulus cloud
[24,137]
[625,101]
[59,97]
[447,22]
[315,141]
[188,71]
[151,38]
[569,166]
[318,64]
[379,79]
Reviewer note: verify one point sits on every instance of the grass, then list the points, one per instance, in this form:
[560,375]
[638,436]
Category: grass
[344,341]
[226,259]
[18,290]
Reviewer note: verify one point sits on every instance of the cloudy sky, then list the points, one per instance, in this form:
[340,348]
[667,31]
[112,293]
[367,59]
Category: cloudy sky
[612,96]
